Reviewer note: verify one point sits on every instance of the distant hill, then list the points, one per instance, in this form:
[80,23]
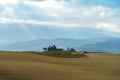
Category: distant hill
[112,46]
[37,45]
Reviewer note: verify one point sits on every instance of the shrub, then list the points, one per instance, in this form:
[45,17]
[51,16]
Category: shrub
[63,54]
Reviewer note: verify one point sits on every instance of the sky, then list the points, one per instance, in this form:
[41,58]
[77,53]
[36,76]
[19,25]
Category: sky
[23,20]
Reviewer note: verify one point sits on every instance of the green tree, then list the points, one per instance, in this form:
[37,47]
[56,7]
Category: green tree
[72,50]
[45,49]
[52,48]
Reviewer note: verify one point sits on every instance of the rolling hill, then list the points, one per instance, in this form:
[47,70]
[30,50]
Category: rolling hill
[29,66]
[37,45]
[112,46]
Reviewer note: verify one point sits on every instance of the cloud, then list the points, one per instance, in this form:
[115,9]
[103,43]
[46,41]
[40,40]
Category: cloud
[44,4]
[4,2]
[108,27]
[4,20]
[62,13]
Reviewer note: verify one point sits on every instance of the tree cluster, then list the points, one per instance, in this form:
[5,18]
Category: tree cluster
[54,48]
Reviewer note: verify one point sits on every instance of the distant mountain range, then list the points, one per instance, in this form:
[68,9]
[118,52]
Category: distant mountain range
[92,45]
[37,45]
[112,46]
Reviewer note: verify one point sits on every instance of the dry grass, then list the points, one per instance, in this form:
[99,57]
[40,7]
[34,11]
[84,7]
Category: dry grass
[27,66]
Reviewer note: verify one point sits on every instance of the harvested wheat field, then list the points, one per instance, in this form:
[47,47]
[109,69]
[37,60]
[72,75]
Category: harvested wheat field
[29,66]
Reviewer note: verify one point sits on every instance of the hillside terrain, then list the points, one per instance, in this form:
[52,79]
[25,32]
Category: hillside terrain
[37,45]
[30,66]
[91,45]
[112,46]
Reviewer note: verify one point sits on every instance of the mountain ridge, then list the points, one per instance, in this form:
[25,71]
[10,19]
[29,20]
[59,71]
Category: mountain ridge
[37,45]
[91,45]
[112,46]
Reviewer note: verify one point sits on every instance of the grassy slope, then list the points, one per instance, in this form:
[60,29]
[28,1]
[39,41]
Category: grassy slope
[27,66]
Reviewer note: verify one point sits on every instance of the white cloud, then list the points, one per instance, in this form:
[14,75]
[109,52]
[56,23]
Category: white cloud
[4,2]
[100,26]
[4,20]
[54,15]
[67,14]
[6,11]
[44,4]
[70,9]
[108,27]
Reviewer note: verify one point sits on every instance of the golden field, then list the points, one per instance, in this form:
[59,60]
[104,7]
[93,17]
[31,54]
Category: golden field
[29,66]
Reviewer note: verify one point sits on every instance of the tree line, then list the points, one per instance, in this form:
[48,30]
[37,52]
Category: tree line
[54,48]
